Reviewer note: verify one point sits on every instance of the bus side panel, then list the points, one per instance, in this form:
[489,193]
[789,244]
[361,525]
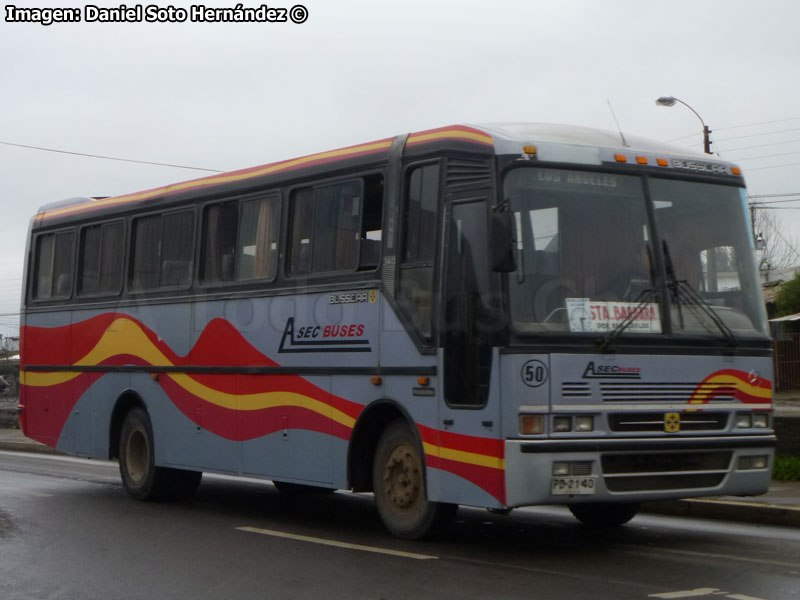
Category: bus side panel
[47,397]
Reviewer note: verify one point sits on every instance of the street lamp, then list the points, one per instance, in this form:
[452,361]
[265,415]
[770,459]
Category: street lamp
[670,101]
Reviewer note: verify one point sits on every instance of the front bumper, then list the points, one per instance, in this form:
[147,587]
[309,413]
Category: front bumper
[639,469]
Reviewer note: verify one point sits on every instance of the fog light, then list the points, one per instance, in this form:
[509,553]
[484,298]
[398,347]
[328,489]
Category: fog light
[744,420]
[761,421]
[584,423]
[562,424]
[531,424]
[747,463]
[560,468]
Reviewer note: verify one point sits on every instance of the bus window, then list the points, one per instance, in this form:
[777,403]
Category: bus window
[257,248]
[219,242]
[54,265]
[415,283]
[101,256]
[162,251]
[336,227]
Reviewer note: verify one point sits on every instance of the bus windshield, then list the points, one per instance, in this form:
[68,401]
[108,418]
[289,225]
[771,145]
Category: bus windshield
[586,256]
[709,249]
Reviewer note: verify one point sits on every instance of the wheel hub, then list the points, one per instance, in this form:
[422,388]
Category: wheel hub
[402,477]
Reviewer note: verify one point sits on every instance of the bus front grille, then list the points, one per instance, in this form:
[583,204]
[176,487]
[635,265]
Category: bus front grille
[650,422]
[622,391]
[664,471]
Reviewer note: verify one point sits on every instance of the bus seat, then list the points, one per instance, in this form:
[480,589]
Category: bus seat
[370,254]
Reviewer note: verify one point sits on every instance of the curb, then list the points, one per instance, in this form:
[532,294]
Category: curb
[28,446]
[728,510]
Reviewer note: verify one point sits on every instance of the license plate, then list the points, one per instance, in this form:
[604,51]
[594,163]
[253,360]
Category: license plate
[570,486]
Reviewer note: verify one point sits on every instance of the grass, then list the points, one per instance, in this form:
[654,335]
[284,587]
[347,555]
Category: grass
[786,468]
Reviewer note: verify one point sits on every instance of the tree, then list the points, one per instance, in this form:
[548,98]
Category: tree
[787,300]
[780,249]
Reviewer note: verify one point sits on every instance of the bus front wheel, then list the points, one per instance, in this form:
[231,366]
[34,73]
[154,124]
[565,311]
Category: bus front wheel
[399,483]
[141,479]
[604,514]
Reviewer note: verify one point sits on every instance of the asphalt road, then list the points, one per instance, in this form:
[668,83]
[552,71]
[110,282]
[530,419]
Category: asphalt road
[68,531]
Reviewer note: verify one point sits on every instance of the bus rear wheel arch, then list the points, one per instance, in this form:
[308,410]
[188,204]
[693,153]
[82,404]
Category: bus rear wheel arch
[141,478]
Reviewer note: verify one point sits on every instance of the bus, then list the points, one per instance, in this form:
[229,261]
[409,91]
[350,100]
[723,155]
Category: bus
[492,316]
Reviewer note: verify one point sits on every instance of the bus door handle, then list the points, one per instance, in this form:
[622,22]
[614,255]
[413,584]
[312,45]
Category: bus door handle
[487,423]
[447,422]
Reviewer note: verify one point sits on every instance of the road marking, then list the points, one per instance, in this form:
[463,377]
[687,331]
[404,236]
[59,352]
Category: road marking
[702,592]
[324,542]
[687,593]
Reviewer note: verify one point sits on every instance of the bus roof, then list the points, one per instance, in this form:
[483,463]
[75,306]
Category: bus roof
[561,143]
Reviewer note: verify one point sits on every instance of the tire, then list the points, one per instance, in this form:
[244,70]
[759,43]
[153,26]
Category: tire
[286,487]
[141,479]
[604,514]
[398,477]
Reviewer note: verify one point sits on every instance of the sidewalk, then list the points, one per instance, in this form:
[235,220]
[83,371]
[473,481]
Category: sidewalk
[780,506]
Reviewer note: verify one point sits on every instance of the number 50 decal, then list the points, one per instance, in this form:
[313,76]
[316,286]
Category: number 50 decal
[534,373]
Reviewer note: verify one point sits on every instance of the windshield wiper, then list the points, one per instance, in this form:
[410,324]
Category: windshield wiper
[683,289]
[643,300]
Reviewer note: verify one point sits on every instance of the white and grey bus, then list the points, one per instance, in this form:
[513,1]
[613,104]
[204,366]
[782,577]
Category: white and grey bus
[494,316]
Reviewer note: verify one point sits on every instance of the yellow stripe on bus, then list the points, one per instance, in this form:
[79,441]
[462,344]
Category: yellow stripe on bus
[452,133]
[481,460]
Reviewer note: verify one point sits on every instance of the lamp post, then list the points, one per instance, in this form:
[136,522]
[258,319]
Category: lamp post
[670,101]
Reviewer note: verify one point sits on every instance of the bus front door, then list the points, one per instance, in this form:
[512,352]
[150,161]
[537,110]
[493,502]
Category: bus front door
[470,411]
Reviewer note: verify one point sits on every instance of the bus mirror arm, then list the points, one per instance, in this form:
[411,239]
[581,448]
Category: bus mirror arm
[501,242]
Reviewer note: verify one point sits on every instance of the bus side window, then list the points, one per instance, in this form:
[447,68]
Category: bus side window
[54,265]
[163,246]
[257,246]
[101,257]
[415,281]
[336,227]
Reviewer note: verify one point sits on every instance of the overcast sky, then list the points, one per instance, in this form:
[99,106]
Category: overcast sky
[227,96]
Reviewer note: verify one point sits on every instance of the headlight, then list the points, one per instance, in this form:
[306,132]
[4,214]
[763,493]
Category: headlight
[584,423]
[761,421]
[744,420]
[562,424]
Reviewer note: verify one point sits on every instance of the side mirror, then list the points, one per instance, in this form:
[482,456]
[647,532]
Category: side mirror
[501,242]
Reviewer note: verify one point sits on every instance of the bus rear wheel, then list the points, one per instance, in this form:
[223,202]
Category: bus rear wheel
[141,479]
[399,483]
[604,514]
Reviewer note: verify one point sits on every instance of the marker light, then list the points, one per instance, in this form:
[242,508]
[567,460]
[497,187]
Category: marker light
[642,160]
[620,158]
[531,424]
[562,424]
[529,150]
[662,162]
[736,171]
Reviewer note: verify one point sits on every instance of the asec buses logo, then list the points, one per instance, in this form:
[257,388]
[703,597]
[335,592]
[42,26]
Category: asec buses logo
[594,371]
[324,338]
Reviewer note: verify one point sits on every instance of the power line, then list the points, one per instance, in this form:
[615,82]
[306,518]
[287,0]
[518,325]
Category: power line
[741,137]
[130,160]
[766,156]
[774,195]
[760,123]
[773,167]
[762,145]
